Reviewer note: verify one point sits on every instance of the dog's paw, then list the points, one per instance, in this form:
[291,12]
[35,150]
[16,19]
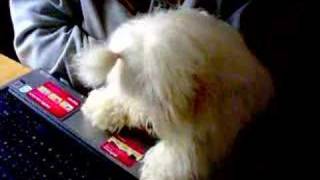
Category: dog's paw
[162,162]
[102,112]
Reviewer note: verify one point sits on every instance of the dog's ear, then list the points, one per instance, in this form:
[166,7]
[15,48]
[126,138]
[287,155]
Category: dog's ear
[174,98]
[92,65]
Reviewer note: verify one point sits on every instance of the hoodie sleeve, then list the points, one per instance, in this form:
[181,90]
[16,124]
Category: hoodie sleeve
[47,32]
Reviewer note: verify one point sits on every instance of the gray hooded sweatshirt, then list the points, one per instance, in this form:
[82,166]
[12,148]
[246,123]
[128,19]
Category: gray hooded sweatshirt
[49,32]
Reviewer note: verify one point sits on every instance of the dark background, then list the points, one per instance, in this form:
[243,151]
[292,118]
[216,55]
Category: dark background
[276,32]
[6,31]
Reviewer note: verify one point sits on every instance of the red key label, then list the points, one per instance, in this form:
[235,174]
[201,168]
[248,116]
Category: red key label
[61,93]
[54,99]
[126,150]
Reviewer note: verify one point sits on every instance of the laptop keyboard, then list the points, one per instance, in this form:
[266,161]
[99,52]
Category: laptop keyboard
[32,149]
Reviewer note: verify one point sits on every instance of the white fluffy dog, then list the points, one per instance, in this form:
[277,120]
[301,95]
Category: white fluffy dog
[186,77]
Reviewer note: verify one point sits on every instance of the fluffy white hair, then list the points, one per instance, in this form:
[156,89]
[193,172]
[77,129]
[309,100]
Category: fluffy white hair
[188,75]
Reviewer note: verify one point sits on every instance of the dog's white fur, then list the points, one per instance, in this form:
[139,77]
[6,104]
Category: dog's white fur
[185,73]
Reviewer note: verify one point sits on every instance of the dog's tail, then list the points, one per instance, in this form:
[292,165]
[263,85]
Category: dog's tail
[92,66]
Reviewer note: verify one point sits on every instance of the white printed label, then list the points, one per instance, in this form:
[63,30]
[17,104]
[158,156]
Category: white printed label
[25,89]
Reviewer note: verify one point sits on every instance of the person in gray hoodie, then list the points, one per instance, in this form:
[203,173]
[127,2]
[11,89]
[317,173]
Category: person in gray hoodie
[48,33]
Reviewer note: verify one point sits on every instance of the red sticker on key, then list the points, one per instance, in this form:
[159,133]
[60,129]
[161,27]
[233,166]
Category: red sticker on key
[46,103]
[54,99]
[61,93]
[125,149]
[113,149]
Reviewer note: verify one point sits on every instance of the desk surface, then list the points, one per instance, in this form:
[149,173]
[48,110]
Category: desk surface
[9,69]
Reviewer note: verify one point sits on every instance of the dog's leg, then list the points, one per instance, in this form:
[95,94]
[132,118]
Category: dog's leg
[107,111]
[175,160]
[104,111]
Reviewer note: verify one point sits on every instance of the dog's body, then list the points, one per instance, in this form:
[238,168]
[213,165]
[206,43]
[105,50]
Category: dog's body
[186,77]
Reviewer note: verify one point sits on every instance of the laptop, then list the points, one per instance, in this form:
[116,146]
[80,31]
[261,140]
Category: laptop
[43,135]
